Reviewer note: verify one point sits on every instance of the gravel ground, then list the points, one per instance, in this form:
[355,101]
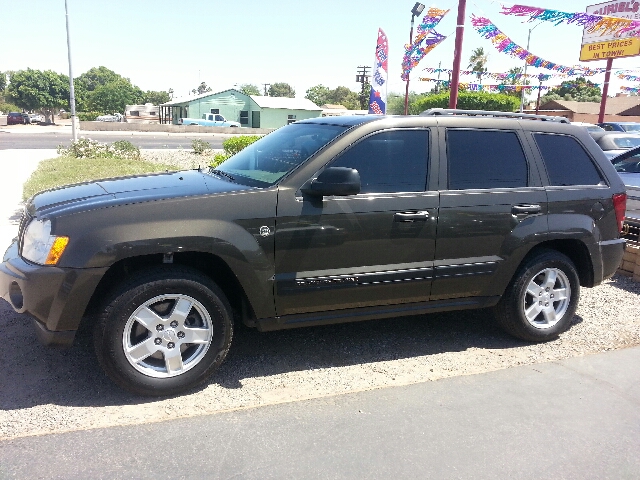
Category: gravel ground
[46,391]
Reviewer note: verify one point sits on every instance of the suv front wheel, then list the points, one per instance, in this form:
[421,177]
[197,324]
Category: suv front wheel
[541,300]
[164,331]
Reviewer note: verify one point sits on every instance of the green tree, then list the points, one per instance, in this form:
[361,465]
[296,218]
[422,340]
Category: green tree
[156,98]
[114,96]
[281,89]
[470,101]
[478,62]
[86,84]
[318,94]
[578,90]
[37,90]
[364,95]
[395,103]
[249,89]
[3,82]
[513,80]
[344,96]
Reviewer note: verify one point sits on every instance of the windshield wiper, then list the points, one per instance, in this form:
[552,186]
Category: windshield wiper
[220,173]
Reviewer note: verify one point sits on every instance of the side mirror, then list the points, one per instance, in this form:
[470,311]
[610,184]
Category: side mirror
[333,181]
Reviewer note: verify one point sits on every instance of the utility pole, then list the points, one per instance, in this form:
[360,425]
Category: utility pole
[265,88]
[363,79]
[72,95]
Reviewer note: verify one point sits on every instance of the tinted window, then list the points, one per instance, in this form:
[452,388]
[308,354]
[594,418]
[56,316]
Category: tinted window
[566,161]
[394,161]
[485,159]
[628,165]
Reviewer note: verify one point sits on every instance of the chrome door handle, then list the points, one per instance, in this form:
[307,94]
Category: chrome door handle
[419,216]
[525,209]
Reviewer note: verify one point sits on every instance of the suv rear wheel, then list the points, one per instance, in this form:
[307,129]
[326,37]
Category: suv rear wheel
[542,298]
[164,331]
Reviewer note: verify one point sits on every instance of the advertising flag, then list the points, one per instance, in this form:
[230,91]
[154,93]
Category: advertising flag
[378,97]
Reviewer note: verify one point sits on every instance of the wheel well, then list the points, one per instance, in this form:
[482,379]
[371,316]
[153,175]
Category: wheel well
[206,263]
[577,251]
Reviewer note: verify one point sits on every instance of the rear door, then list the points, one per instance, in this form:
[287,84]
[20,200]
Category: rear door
[492,207]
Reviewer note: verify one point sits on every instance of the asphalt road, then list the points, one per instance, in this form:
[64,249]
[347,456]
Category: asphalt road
[50,140]
[575,419]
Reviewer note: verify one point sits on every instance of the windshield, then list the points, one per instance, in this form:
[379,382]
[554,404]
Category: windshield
[628,165]
[631,127]
[627,142]
[266,161]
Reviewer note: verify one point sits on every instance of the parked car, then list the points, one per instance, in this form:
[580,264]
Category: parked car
[621,126]
[324,220]
[36,118]
[17,118]
[615,143]
[591,127]
[209,120]
[628,167]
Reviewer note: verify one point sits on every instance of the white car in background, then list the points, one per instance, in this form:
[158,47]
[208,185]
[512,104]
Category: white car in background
[36,118]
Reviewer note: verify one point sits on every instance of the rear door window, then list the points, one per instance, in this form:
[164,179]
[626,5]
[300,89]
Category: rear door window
[482,159]
[566,161]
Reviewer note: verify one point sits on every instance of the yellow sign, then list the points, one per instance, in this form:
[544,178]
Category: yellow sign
[624,47]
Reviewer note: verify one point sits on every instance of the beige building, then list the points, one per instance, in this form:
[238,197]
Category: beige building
[621,108]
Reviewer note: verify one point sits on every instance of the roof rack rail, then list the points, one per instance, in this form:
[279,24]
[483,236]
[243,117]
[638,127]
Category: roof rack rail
[487,113]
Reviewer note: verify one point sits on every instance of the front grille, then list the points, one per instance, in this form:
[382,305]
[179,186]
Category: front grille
[631,232]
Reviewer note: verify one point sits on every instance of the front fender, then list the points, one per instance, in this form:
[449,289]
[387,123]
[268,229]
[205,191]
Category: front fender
[230,226]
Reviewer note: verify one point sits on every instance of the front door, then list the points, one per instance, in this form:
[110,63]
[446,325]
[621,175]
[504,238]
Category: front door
[371,249]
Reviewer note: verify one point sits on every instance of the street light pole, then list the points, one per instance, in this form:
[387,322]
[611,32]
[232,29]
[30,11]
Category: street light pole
[415,12]
[525,67]
[72,94]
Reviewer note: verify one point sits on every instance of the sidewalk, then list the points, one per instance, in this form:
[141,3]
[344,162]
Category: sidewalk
[16,166]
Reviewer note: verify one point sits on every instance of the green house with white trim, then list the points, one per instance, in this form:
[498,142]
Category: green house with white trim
[251,111]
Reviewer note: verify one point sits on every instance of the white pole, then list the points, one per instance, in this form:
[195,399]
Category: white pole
[72,95]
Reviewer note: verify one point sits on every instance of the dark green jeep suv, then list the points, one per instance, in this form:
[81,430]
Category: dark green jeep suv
[324,220]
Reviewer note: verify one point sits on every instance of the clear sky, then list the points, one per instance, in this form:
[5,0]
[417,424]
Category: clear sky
[162,44]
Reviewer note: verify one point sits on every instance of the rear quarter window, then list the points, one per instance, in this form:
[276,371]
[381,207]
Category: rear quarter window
[566,161]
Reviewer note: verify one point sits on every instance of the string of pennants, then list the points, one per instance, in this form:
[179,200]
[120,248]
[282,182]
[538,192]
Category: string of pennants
[593,23]
[478,87]
[427,39]
[630,89]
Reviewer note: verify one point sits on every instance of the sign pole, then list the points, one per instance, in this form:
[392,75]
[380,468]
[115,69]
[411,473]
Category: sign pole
[605,90]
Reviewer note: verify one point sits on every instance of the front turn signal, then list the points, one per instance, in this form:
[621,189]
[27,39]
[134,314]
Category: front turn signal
[57,249]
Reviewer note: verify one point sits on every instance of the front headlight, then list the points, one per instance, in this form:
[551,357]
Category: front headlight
[39,246]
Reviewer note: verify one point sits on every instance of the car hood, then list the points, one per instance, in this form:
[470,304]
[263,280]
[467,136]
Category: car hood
[126,190]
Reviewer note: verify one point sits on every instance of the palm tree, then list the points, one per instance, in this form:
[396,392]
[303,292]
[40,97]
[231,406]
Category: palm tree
[477,62]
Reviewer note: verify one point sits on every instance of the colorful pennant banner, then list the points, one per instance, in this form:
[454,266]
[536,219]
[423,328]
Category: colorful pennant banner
[631,78]
[593,23]
[478,87]
[426,40]
[505,45]
[499,76]
[630,89]
[378,95]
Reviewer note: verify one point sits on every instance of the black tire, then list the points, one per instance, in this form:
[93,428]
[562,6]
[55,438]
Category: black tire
[177,304]
[552,311]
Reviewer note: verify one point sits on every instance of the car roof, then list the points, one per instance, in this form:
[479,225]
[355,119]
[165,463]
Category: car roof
[343,120]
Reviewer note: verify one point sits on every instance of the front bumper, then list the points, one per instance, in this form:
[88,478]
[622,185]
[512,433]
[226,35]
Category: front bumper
[56,297]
